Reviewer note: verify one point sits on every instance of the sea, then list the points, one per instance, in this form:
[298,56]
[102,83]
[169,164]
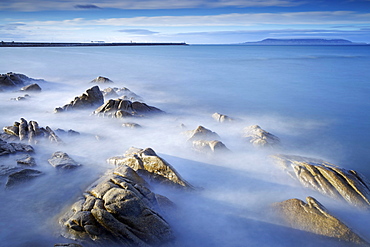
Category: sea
[315,99]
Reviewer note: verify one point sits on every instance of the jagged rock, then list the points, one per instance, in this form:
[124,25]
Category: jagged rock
[118,208]
[31,88]
[68,133]
[209,146]
[124,108]
[62,160]
[21,176]
[30,131]
[328,179]
[201,133]
[314,217]
[101,79]
[20,98]
[91,98]
[12,80]
[122,93]
[259,137]
[27,160]
[131,125]
[221,117]
[8,148]
[148,164]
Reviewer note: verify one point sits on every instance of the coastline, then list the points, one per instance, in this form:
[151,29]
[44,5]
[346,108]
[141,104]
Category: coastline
[52,44]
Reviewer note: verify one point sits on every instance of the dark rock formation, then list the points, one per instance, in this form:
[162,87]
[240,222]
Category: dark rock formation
[22,176]
[209,146]
[101,79]
[328,179]
[314,217]
[31,88]
[67,133]
[122,93]
[201,133]
[118,208]
[27,160]
[259,137]
[124,108]
[91,98]
[31,132]
[152,167]
[13,80]
[221,117]
[62,160]
[8,148]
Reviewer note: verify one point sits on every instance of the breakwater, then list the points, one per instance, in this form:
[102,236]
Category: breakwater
[52,44]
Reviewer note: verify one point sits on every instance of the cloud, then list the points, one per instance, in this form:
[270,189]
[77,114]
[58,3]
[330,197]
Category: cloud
[137,31]
[86,6]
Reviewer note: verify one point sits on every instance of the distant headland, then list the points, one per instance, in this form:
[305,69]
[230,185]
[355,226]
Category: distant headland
[303,42]
[61,44]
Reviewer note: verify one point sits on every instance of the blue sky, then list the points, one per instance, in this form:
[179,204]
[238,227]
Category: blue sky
[191,21]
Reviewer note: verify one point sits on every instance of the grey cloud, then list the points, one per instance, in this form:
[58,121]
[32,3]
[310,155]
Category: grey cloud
[86,6]
[137,31]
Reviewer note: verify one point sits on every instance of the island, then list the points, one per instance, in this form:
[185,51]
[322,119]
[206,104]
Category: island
[66,44]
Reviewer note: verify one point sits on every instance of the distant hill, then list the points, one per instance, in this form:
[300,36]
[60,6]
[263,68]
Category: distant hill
[303,42]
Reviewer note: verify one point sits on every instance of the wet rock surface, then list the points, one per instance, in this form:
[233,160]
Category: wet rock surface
[328,179]
[21,176]
[93,97]
[31,88]
[14,80]
[259,137]
[120,108]
[9,148]
[314,217]
[62,160]
[152,167]
[118,208]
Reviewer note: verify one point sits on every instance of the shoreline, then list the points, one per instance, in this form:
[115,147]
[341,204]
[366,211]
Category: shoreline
[52,44]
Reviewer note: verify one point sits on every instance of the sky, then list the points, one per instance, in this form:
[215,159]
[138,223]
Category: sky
[190,21]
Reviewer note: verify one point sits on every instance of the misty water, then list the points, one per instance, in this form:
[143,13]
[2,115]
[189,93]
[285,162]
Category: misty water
[314,98]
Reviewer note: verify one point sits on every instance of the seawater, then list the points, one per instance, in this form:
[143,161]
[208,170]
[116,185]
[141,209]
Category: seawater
[314,98]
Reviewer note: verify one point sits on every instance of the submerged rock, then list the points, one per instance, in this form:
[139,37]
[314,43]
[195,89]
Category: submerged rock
[314,217]
[259,137]
[221,117]
[201,133]
[118,208]
[31,132]
[328,179]
[22,176]
[13,80]
[209,146]
[62,160]
[93,97]
[31,88]
[101,79]
[120,108]
[148,164]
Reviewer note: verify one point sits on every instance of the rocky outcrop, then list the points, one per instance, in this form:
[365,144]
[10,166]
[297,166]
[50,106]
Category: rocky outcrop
[122,93]
[30,131]
[328,179]
[27,160]
[314,217]
[120,108]
[14,80]
[9,148]
[259,137]
[101,79]
[152,167]
[31,88]
[93,97]
[118,209]
[209,146]
[221,117]
[62,160]
[21,176]
[201,133]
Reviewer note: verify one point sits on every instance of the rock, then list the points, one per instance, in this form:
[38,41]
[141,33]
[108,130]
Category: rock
[101,79]
[201,133]
[131,125]
[31,88]
[68,133]
[259,137]
[328,179]
[91,98]
[122,93]
[209,146]
[314,217]
[148,164]
[221,118]
[124,108]
[61,160]
[21,98]
[27,160]
[67,245]
[8,148]
[12,80]
[117,209]
[11,130]
[21,176]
